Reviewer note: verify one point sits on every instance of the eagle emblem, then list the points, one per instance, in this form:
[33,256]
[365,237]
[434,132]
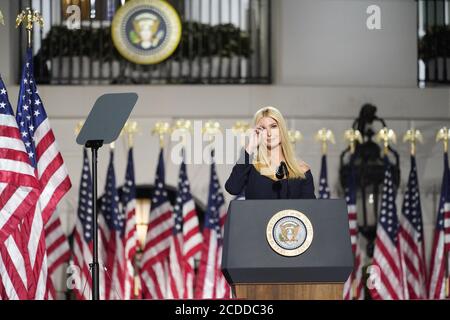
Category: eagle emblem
[289,232]
[146,31]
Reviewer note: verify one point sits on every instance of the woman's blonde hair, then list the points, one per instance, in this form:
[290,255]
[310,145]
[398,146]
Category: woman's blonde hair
[262,159]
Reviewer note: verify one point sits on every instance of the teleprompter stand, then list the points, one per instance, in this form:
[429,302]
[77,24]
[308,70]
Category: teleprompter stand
[103,126]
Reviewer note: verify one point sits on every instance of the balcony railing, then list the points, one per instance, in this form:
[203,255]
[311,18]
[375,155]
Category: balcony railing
[222,42]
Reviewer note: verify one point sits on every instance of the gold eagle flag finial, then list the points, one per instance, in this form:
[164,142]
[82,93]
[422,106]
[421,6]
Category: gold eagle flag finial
[413,136]
[353,136]
[130,128]
[211,129]
[239,129]
[295,136]
[324,136]
[184,127]
[78,127]
[443,135]
[161,128]
[28,17]
[385,136]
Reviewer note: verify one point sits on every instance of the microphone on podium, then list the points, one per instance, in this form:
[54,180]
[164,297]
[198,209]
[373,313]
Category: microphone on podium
[282,171]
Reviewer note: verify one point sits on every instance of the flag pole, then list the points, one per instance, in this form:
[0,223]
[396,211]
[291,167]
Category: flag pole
[130,129]
[295,136]
[443,135]
[413,136]
[160,129]
[28,17]
[324,136]
[185,127]
[353,136]
[210,130]
[352,152]
[386,135]
[239,129]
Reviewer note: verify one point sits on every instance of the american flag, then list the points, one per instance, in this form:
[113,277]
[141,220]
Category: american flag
[324,190]
[210,282]
[186,242]
[40,142]
[128,201]
[19,193]
[14,268]
[154,264]
[58,250]
[43,152]
[83,235]
[113,230]
[354,286]
[19,188]
[51,291]
[388,282]
[441,243]
[411,239]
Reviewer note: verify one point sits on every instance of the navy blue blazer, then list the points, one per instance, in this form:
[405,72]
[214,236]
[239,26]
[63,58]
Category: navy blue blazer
[245,178]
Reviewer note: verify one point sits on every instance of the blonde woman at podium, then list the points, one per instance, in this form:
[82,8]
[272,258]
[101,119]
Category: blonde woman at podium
[267,167]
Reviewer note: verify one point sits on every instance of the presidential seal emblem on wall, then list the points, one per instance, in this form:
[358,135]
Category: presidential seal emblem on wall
[146,31]
[289,233]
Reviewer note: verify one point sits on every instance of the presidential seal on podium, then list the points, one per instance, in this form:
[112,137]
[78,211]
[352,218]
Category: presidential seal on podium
[289,233]
[146,31]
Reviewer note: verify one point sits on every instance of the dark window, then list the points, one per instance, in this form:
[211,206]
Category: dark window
[433,34]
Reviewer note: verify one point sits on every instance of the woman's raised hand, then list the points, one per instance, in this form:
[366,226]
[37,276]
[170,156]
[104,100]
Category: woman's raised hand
[255,138]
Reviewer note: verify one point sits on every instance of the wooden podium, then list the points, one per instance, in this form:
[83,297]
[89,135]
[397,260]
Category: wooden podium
[301,291]
[257,272]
